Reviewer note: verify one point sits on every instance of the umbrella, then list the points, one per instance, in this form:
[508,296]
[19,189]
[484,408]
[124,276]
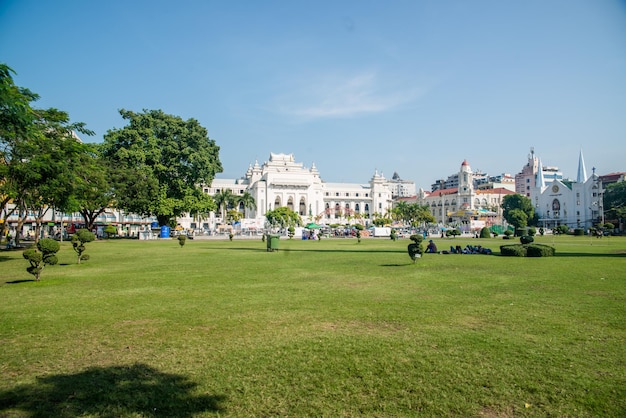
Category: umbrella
[312,225]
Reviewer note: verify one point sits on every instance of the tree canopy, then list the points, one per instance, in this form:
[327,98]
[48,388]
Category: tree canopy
[283,217]
[412,213]
[615,200]
[161,161]
[518,211]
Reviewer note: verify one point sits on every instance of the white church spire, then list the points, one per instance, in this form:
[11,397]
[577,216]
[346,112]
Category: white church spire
[540,181]
[582,172]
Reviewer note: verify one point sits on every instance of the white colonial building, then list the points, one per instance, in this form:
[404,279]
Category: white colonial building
[282,181]
[577,204]
[464,205]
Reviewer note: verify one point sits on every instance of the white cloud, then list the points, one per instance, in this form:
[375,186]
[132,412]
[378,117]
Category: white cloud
[333,96]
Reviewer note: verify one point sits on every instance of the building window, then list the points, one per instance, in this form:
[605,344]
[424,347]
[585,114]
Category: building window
[357,195]
[347,194]
[337,194]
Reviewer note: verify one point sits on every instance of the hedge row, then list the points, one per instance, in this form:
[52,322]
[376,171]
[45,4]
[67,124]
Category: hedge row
[527,250]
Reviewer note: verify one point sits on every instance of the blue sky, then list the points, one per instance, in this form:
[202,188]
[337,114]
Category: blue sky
[413,87]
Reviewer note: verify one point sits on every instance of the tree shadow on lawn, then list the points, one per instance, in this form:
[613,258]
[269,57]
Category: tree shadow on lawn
[109,392]
[559,254]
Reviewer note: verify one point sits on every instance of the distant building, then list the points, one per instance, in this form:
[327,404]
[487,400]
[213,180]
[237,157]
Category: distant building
[465,205]
[401,188]
[577,204]
[525,180]
[281,181]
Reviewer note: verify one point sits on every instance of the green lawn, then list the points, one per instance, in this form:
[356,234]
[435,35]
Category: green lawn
[320,328]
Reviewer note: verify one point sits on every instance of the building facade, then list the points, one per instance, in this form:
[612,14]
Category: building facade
[577,204]
[465,205]
[281,181]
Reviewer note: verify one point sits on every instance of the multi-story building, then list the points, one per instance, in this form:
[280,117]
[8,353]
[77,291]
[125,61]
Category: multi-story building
[526,179]
[465,205]
[281,181]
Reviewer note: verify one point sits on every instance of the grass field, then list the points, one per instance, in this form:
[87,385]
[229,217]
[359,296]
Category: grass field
[319,328]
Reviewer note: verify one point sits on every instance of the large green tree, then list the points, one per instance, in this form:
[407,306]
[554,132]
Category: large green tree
[283,217]
[615,201]
[160,161]
[93,189]
[518,211]
[16,122]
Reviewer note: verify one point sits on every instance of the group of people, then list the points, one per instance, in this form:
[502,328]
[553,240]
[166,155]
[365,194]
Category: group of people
[469,249]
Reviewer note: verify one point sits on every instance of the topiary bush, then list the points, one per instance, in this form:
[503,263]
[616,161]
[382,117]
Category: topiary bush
[513,250]
[453,233]
[485,232]
[393,235]
[181,240]
[415,249]
[532,231]
[79,239]
[526,239]
[45,256]
[579,232]
[539,250]
[527,250]
[507,234]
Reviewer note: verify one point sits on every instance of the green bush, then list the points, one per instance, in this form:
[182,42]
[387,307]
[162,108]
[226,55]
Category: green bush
[453,233]
[79,239]
[526,239]
[532,231]
[513,250]
[182,239]
[393,235]
[415,249]
[110,230]
[508,233]
[417,238]
[485,232]
[579,231]
[561,229]
[527,250]
[539,250]
[46,256]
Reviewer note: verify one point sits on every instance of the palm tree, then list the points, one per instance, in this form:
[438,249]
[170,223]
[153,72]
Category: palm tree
[248,202]
[224,199]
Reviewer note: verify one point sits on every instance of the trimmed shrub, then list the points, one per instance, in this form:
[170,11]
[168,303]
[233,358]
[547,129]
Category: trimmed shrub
[182,239]
[532,231]
[453,233]
[579,231]
[38,260]
[561,229]
[79,239]
[415,249]
[513,250]
[527,250]
[539,250]
[526,239]
[485,232]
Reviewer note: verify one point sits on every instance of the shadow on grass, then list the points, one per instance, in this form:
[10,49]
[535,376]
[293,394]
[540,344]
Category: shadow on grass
[137,390]
[559,254]
[19,281]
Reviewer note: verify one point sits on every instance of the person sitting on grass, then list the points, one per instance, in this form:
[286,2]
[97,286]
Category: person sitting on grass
[431,247]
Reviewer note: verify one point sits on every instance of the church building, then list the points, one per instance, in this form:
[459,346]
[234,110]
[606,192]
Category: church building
[577,204]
